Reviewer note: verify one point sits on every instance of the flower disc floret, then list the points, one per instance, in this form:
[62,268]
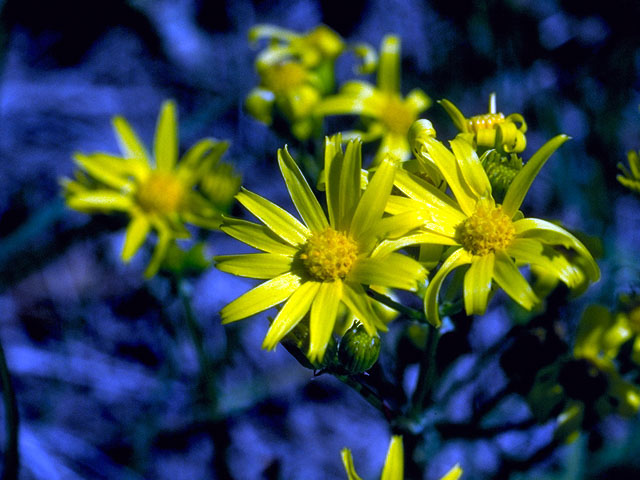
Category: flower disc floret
[486,231]
[397,116]
[329,255]
[283,78]
[161,193]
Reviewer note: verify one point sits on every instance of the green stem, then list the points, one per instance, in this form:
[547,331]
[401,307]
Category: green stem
[11,456]
[426,374]
[412,313]
[366,393]
[206,368]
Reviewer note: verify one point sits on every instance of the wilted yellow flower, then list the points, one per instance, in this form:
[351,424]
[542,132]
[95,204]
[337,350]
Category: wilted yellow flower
[156,192]
[490,130]
[493,239]
[317,265]
[630,177]
[388,114]
[393,465]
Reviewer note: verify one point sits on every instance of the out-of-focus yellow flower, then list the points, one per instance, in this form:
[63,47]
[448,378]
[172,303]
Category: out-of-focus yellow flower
[490,130]
[598,339]
[322,263]
[630,177]
[494,239]
[388,114]
[158,193]
[295,71]
[393,465]
[220,184]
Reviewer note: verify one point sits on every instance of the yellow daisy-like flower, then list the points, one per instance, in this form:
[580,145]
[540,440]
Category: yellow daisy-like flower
[157,193]
[393,465]
[295,71]
[390,115]
[493,239]
[492,129]
[630,177]
[317,265]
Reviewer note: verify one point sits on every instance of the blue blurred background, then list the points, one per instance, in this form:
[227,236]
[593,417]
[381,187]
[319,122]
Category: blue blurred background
[105,373]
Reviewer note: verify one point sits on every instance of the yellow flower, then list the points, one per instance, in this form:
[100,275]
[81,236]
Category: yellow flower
[390,115]
[490,130]
[393,465]
[319,264]
[493,239]
[295,71]
[157,193]
[631,179]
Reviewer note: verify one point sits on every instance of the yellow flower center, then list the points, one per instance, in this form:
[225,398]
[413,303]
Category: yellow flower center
[485,122]
[284,77]
[329,255]
[397,116]
[161,193]
[486,231]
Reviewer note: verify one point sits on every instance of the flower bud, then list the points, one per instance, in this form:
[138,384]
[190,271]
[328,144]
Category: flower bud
[358,351]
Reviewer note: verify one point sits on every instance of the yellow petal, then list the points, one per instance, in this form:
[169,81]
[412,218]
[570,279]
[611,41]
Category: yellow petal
[357,301]
[550,234]
[454,474]
[95,167]
[394,463]
[388,246]
[162,245]
[374,199]
[456,259]
[389,64]
[262,297]
[456,115]
[301,194]
[137,231]
[254,265]
[323,318]
[347,461]
[165,145]
[471,168]
[101,200]
[129,142]
[343,185]
[512,282]
[394,270]
[277,219]
[257,236]
[523,180]
[292,312]
[477,284]
[529,250]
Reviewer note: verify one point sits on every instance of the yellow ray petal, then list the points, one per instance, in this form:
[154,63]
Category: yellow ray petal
[303,198]
[347,461]
[523,180]
[357,301]
[254,265]
[257,236]
[551,234]
[471,168]
[162,245]
[374,199]
[262,297]
[101,200]
[394,463]
[512,282]
[323,318]
[394,270]
[137,231]
[292,312]
[389,65]
[281,222]
[129,142]
[477,284]
[165,146]
[456,259]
